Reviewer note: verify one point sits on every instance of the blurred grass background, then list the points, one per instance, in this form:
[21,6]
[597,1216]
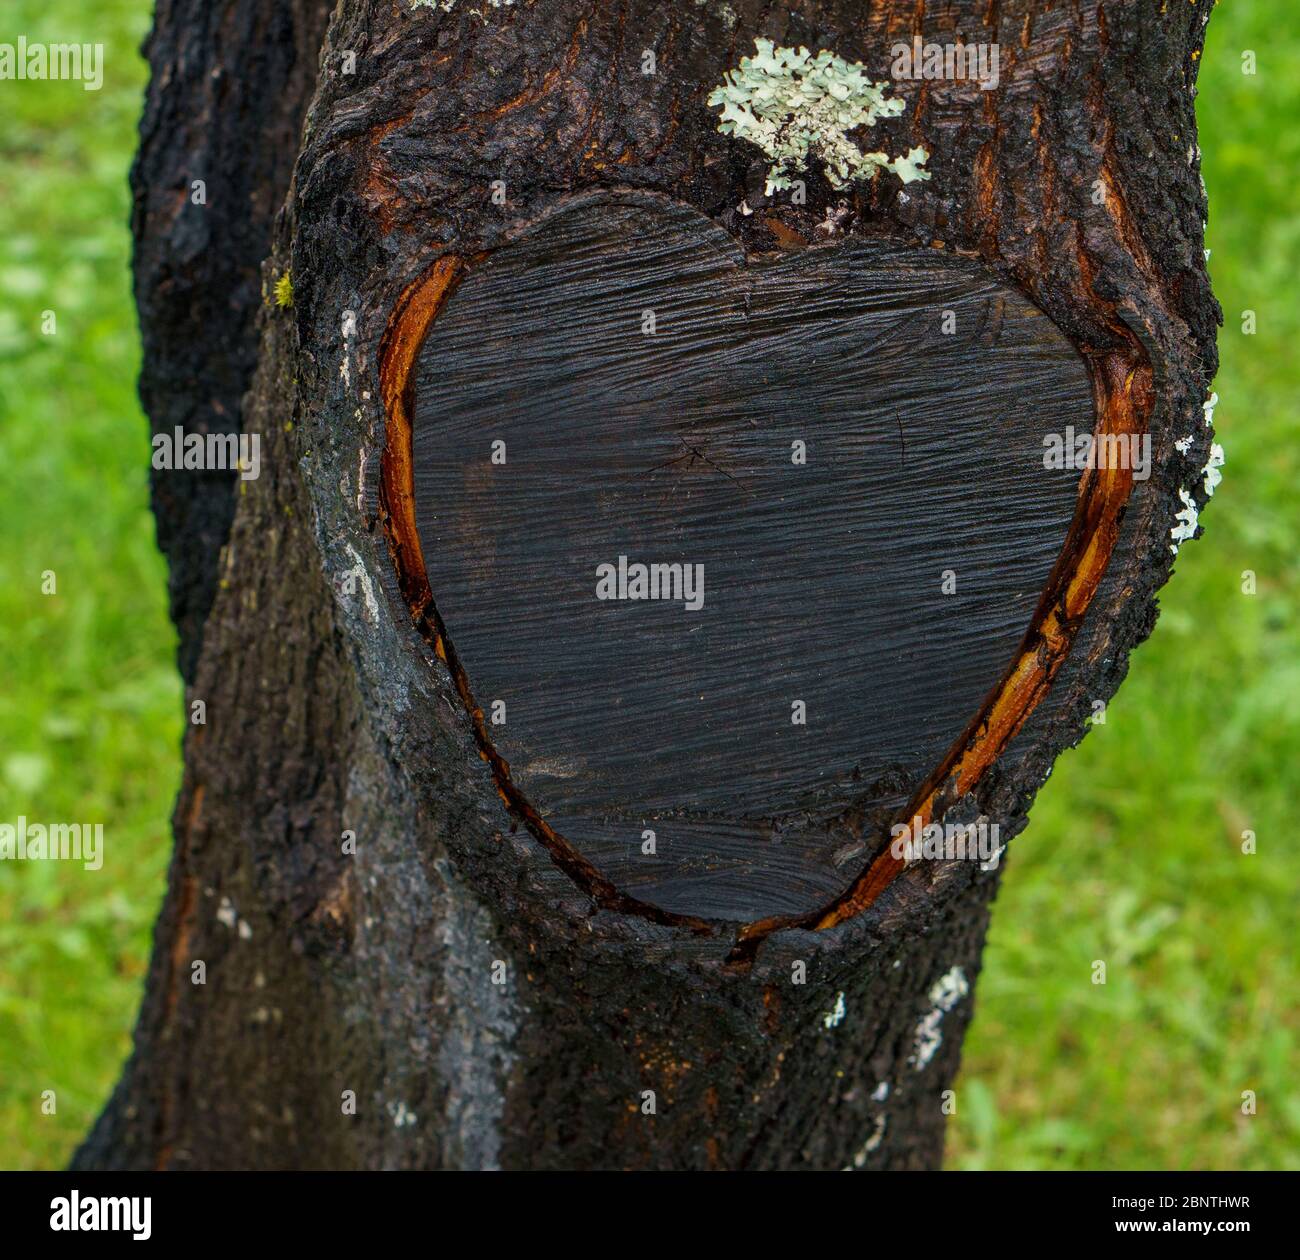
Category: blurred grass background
[1133,855]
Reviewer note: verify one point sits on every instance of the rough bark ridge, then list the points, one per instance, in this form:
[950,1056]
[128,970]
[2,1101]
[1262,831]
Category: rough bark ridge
[330,708]
[224,110]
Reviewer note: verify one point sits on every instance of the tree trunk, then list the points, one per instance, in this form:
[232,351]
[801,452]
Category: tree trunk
[398,903]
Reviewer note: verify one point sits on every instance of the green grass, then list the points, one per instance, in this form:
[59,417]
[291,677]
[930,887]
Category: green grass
[1133,853]
[90,702]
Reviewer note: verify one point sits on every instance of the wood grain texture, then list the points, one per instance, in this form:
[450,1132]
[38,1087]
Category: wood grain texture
[822,582]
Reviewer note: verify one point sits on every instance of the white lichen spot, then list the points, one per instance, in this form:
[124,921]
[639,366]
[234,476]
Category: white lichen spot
[836,1014]
[872,1143]
[229,917]
[1185,522]
[367,588]
[447,5]
[1186,519]
[945,993]
[796,106]
[881,1092]
[1216,461]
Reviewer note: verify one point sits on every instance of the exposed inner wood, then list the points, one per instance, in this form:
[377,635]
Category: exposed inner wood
[1122,383]
[410,322]
[774,839]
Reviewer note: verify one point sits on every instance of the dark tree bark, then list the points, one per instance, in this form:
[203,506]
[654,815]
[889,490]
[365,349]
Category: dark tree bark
[218,141]
[337,704]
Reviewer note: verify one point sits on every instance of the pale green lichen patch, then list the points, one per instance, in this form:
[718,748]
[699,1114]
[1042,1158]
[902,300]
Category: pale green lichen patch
[447,5]
[796,105]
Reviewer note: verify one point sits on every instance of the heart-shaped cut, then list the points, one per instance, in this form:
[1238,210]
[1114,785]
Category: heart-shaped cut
[731,552]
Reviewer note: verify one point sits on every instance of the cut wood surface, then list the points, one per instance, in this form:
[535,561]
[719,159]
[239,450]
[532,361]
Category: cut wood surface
[841,451]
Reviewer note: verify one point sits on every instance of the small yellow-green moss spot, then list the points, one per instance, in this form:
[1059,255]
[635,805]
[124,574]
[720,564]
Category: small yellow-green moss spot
[284,291]
[795,105]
